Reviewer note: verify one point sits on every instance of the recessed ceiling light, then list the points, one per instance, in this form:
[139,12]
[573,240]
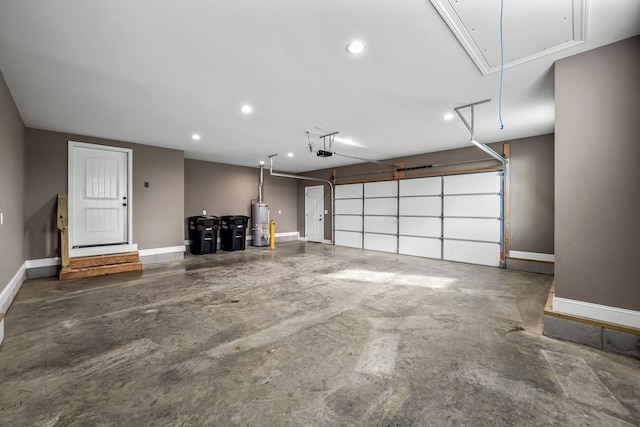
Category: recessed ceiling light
[448,116]
[356,47]
[290,154]
[195,137]
[262,162]
[246,109]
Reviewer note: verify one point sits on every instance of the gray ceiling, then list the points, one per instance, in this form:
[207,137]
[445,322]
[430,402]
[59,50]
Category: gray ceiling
[156,71]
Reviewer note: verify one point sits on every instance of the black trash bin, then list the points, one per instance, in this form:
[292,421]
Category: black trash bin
[203,234]
[233,232]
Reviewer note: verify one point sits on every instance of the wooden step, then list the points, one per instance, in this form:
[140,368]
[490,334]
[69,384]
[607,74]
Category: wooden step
[108,259]
[100,265]
[99,270]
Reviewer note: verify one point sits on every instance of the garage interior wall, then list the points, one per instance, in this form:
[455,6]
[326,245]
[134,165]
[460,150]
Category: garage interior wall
[598,176]
[12,147]
[532,178]
[223,189]
[158,210]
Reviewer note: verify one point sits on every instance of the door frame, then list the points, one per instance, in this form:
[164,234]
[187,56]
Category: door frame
[306,212]
[109,249]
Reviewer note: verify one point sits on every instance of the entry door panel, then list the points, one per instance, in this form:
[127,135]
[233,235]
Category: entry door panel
[99,186]
[314,214]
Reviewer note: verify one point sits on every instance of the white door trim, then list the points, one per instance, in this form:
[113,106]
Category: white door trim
[100,250]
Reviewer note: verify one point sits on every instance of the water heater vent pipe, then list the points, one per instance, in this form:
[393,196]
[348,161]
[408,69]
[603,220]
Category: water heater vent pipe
[260,184]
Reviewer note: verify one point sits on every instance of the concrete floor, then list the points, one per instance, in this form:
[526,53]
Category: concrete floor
[303,335]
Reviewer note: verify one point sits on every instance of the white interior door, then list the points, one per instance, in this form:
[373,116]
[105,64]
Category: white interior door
[98,195]
[314,213]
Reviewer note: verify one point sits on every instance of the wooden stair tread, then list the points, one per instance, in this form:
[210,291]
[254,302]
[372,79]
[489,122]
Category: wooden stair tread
[107,259]
[99,270]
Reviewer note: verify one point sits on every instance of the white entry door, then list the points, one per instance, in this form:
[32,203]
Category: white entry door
[99,203]
[314,213]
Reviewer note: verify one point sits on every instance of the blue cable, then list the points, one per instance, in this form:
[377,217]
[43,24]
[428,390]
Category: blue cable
[501,65]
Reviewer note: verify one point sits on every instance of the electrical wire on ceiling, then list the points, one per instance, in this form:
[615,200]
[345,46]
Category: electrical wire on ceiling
[501,65]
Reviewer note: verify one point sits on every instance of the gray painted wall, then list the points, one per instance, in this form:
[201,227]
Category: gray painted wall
[12,147]
[597,157]
[532,182]
[532,185]
[222,189]
[158,210]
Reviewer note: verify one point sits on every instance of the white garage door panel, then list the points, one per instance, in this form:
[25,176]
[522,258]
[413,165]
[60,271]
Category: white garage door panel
[380,242]
[472,252]
[348,222]
[421,206]
[381,206]
[381,189]
[348,191]
[488,182]
[349,207]
[487,230]
[381,224]
[487,205]
[421,187]
[419,246]
[349,238]
[427,227]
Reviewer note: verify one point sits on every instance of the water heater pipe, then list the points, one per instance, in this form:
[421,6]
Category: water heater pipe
[260,184]
[309,178]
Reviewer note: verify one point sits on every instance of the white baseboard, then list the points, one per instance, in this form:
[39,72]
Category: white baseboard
[51,262]
[11,289]
[603,313]
[43,262]
[288,234]
[304,239]
[9,293]
[532,256]
[160,251]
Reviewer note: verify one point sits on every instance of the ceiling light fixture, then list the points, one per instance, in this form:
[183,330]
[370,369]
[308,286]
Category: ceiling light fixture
[356,47]
[195,137]
[290,154]
[347,141]
[246,109]
[448,116]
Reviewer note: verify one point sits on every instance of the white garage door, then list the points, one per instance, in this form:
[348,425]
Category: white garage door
[472,218]
[421,217]
[348,207]
[381,216]
[452,217]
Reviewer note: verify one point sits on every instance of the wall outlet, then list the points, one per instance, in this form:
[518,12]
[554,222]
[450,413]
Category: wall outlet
[1,218]
[279,212]
[204,211]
